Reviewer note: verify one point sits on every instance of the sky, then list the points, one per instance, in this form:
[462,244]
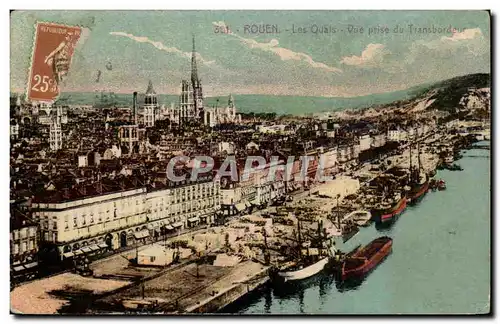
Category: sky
[392,52]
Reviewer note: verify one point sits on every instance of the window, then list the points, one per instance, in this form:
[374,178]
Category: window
[54,226]
[152,259]
[16,249]
[84,219]
[75,223]
[91,218]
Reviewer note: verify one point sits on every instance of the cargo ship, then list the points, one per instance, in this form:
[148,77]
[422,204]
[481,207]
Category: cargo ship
[419,181]
[418,190]
[363,260]
[388,212]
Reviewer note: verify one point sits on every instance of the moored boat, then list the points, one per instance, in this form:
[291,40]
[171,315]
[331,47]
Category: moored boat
[418,191]
[311,257]
[303,270]
[363,260]
[441,185]
[419,180]
[388,212]
[394,211]
[360,217]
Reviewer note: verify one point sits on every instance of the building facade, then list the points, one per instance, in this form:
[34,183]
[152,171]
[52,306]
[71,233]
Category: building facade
[115,220]
[24,245]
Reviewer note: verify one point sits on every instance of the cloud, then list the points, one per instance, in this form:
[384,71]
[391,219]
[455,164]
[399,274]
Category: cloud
[465,34]
[285,54]
[372,56]
[440,54]
[160,46]
[468,40]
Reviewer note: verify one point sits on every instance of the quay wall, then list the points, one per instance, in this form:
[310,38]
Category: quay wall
[230,295]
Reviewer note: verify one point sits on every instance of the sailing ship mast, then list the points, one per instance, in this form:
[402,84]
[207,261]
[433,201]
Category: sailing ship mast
[411,168]
[418,157]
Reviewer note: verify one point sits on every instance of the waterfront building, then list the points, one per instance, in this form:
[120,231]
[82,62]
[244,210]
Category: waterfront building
[379,140]
[75,224]
[112,214]
[176,205]
[231,197]
[365,142]
[328,157]
[396,134]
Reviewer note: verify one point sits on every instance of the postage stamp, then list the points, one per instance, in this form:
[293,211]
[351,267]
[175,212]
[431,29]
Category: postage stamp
[54,45]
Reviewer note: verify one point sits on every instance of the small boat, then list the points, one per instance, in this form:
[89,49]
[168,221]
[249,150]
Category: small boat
[303,270]
[360,217]
[363,260]
[441,185]
[454,167]
[433,184]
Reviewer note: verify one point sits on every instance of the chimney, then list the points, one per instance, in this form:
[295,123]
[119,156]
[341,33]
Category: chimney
[134,109]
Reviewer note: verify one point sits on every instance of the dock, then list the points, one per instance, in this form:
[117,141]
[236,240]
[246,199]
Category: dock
[192,288]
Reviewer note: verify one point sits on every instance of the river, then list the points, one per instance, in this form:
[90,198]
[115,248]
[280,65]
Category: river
[440,262]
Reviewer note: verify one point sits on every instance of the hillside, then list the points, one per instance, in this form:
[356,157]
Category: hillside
[449,94]
[445,95]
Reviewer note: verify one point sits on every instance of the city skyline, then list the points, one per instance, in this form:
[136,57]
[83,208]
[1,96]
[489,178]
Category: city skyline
[283,60]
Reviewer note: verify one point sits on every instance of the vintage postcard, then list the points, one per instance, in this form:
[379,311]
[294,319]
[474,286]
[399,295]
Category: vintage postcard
[250,162]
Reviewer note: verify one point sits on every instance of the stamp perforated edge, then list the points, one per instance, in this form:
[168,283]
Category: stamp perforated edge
[33,50]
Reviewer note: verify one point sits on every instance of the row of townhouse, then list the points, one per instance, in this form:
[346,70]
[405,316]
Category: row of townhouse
[253,188]
[119,219]
[399,134]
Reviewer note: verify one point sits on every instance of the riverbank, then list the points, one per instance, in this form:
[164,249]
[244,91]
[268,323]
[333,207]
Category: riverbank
[441,250]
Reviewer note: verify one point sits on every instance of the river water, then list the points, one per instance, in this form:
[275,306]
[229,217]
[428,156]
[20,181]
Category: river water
[440,262]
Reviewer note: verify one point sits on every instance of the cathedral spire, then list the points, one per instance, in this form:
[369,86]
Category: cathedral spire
[194,69]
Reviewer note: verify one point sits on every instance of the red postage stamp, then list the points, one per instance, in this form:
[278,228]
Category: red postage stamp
[53,48]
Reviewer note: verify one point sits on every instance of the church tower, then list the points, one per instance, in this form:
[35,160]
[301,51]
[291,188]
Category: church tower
[196,85]
[150,108]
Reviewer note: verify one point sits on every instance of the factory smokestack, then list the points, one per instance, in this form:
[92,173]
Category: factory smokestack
[134,108]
